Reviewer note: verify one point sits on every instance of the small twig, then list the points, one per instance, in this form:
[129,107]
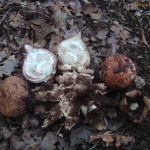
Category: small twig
[59,130]
[109,125]
[93,147]
[7,5]
[5,16]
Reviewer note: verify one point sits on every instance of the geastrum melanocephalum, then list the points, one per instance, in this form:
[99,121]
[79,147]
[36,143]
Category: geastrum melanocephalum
[75,90]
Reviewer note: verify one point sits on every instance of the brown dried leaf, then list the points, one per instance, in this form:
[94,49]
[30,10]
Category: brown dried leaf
[5,132]
[114,43]
[16,20]
[108,139]
[30,122]
[72,32]
[102,34]
[125,140]
[41,28]
[60,18]
[57,6]
[3,54]
[32,146]
[118,141]
[49,140]
[40,109]
[76,6]
[119,31]
[16,143]
[8,66]
[79,135]
[94,137]
[144,41]
[89,8]
[139,82]
[96,16]
[116,126]
[124,34]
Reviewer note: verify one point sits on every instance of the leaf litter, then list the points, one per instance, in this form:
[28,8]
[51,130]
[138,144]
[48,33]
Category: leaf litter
[81,109]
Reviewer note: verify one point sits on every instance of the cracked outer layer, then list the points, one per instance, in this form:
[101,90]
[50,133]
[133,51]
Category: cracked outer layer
[118,72]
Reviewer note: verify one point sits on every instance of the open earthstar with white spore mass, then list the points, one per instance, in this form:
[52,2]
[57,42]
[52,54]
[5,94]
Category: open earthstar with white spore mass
[39,64]
[73,51]
[75,89]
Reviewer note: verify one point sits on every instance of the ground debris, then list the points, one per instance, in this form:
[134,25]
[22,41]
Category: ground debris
[107,139]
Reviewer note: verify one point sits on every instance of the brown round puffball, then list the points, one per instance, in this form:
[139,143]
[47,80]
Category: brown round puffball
[13,92]
[118,72]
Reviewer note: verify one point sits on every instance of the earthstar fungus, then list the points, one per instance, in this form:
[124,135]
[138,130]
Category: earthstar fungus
[39,64]
[117,72]
[136,106]
[73,51]
[13,95]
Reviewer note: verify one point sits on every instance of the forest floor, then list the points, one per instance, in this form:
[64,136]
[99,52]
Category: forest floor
[107,27]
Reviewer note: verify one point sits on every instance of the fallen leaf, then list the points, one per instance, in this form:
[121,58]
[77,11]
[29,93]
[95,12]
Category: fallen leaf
[76,6]
[79,135]
[49,140]
[139,82]
[30,122]
[144,41]
[134,40]
[96,16]
[16,20]
[89,8]
[57,6]
[116,126]
[102,34]
[40,110]
[5,132]
[8,66]
[41,33]
[108,139]
[16,143]
[2,54]
[60,18]
[113,42]
[124,34]
[119,31]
